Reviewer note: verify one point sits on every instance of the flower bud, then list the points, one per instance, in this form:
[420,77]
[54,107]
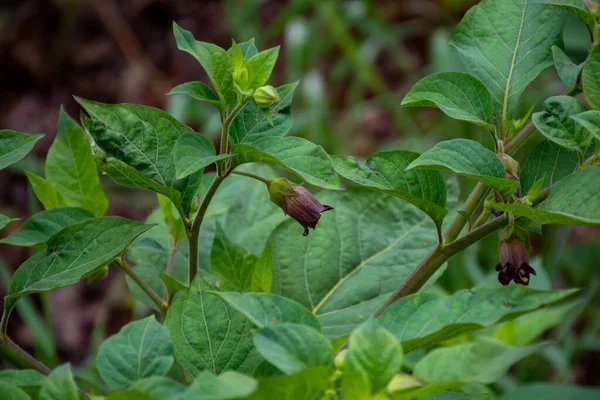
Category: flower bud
[297,202]
[338,361]
[266,96]
[401,382]
[514,262]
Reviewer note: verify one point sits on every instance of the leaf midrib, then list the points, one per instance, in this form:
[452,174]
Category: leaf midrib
[512,66]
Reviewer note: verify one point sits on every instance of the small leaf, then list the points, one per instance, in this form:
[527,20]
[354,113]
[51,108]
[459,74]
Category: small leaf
[468,158]
[262,273]
[172,219]
[591,78]
[567,70]
[550,161]
[373,358]
[198,91]
[248,49]
[141,349]
[458,95]
[45,192]
[173,285]
[71,169]
[41,226]
[59,385]
[268,309]
[550,391]
[556,124]
[207,334]
[293,347]
[73,253]
[384,171]
[260,67]
[309,384]
[485,361]
[14,146]
[590,120]
[5,221]
[577,8]
[229,385]
[193,152]
[231,264]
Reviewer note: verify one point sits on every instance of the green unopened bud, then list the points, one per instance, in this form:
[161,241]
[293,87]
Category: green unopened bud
[338,361]
[240,76]
[511,166]
[266,96]
[297,202]
[98,275]
[401,382]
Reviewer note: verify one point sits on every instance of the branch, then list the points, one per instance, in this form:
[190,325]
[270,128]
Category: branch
[249,175]
[18,357]
[162,306]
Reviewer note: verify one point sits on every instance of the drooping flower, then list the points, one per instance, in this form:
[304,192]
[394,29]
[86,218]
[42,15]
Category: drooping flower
[297,202]
[514,262]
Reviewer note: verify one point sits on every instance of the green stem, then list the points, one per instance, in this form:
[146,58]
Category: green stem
[18,357]
[162,306]
[249,175]
[222,165]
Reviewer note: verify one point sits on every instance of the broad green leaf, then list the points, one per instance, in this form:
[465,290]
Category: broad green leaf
[260,67]
[452,396]
[590,120]
[467,158]
[45,192]
[158,387]
[567,70]
[5,221]
[198,91]
[193,152]
[293,347]
[215,61]
[129,394]
[556,124]
[12,392]
[566,203]
[231,263]
[458,95]
[484,360]
[576,7]
[424,319]
[385,172]
[59,385]
[591,79]
[358,255]
[14,146]
[141,349]
[550,391]
[262,273]
[264,309]
[309,384]
[25,378]
[142,138]
[207,334]
[73,253]
[550,161]
[229,385]
[373,358]
[41,226]
[506,44]
[71,169]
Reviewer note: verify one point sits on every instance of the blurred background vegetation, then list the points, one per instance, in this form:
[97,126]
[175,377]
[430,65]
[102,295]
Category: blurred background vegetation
[355,61]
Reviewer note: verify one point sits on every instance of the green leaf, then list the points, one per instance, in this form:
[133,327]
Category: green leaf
[142,138]
[566,203]
[549,391]
[567,70]
[158,387]
[452,396]
[373,358]
[215,61]
[45,192]
[293,347]
[229,385]
[467,158]
[260,67]
[590,120]
[5,221]
[141,349]
[591,78]
[59,385]
[556,124]
[576,7]
[248,49]
[73,253]
[41,226]
[384,171]
[550,161]
[231,263]
[173,285]
[458,95]
[12,392]
[506,45]
[207,334]
[71,169]
[309,384]
[264,309]
[262,274]
[198,91]
[424,319]
[355,259]
[14,146]
[172,219]
[484,360]
[193,152]
[26,378]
